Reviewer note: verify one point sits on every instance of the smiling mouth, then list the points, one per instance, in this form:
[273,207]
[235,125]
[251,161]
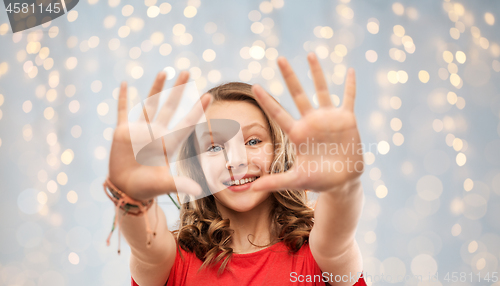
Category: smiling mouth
[240,182]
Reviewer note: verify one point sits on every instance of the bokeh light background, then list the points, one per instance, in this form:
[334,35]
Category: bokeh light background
[428,104]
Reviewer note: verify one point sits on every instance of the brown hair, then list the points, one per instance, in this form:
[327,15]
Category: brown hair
[202,229]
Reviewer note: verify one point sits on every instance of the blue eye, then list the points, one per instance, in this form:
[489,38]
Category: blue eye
[214,148]
[253,142]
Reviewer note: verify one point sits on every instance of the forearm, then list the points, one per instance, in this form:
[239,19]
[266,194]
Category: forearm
[336,217]
[134,230]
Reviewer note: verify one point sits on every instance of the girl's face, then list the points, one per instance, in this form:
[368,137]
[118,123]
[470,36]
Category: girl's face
[247,157]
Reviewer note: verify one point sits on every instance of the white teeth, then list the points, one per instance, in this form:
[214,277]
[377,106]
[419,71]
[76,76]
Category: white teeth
[242,181]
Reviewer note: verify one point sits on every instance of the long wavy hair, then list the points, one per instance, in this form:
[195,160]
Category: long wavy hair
[204,232]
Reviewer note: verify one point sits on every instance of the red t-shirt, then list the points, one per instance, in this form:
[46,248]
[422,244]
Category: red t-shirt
[269,266]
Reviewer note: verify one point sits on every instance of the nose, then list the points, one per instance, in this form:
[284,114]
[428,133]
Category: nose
[236,157]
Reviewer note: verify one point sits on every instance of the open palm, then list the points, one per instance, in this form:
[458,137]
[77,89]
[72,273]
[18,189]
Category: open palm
[150,177]
[328,148]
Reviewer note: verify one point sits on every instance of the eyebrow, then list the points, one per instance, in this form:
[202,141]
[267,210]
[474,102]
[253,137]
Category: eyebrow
[254,124]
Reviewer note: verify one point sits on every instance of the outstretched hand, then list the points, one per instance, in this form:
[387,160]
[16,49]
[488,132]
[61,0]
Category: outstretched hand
[328,148]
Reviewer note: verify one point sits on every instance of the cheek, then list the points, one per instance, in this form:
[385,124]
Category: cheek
[213,167]
[262,158]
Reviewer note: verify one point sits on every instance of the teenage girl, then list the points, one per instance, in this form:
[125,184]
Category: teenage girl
[258,230]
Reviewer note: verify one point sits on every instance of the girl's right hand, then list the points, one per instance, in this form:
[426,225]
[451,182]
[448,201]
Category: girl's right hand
[143,182]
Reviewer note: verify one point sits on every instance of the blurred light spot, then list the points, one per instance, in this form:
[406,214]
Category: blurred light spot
[398,8]
[460,56]
[165,49]
[211,27]
[424,265]
[489,18]
[100,153]
[395,102]
[381,191]
[76,131]
[383,147]
[472,246]
[154,11]
[326,32]
[396,124]
[108,133]
[437,125]
[137,72]
[468,184]
[72,197]
[96,86]
[373,26]
[102,108]
[165,8]
[429,187]
[254,16]
[461,159]
[52,186]
[276,88]
[371,56]
[423,76]
[73,258]
[375,174]
[399,30]
[74,106]
[257,52]
[127,10]
[456,230]
[370,237]
[457,144]
[190,11]
[27,106]
[170,72]
[178,29]
[67,156]
[369,158]
[214,76]
[62,178]
[398,139]
[27,132]
[109,21]
[42,198]
[48,113]
[72,15]
[124,31]
[266,7]
[209,55]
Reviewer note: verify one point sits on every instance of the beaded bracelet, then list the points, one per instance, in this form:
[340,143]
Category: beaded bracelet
[129,206]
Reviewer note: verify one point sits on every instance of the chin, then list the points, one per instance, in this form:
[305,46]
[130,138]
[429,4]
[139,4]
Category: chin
[241,202]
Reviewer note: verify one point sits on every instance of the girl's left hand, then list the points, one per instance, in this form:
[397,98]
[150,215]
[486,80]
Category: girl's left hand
[333,154]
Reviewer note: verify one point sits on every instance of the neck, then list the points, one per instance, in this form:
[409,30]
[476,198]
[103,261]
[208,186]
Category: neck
[253,225]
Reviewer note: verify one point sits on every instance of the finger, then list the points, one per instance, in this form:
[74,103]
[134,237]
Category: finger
[293,84]
[151,103]
[273,108]
[319,81]
[168,109]
[122,104]
[188,123]
[350,90]
[275,182]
